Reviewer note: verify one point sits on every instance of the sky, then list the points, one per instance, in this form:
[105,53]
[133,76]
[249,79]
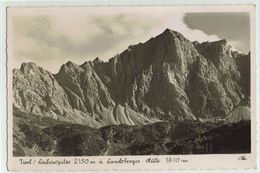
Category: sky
[51,36]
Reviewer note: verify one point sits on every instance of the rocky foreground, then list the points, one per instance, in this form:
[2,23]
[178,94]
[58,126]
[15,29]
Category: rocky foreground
[47,137]
[165,96]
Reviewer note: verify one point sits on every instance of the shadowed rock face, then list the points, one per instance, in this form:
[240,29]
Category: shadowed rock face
[167,77]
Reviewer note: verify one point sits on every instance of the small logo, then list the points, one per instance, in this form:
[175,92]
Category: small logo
[242,157]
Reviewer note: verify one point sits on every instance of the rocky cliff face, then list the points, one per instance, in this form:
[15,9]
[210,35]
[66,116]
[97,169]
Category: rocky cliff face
[36,91]
[166,78]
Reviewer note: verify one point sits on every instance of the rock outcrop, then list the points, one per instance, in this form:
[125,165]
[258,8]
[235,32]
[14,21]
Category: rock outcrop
[36,91]
[166,78]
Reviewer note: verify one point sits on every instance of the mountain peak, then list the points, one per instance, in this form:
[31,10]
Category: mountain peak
[171,33]
[217,42]
[26,67]
[29,65]
[222,42]
[68,66]
[70,63]
[97,60]
[167,30]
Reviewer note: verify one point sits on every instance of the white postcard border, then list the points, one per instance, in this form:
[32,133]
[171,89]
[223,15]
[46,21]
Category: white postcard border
[221,161]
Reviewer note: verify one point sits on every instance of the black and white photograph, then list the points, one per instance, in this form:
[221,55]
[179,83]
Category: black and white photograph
[130,81]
